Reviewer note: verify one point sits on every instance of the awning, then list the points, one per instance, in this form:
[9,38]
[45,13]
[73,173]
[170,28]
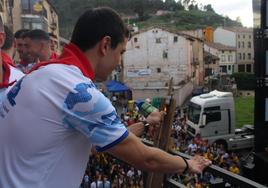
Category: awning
[115,86]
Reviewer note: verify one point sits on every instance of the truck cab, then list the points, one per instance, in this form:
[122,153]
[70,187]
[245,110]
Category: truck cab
[212,116]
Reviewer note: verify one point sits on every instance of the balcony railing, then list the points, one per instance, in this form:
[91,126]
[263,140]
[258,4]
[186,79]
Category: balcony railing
[233,179]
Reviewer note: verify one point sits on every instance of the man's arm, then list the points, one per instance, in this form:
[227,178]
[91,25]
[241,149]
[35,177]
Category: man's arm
[137,128]
[1,71]
[134,152]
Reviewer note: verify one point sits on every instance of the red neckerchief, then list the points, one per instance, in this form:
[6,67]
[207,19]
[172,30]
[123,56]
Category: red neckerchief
[7,59]
[6,71]
[71,55]
[23,63]
[54,55]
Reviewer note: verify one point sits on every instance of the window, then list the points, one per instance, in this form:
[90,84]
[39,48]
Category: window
[27,5]
[249,44]
[26,25]
[238,44]
[135,39]
[165,54]
[248,67]
[45,12]
[223,68]
[194,111]
[158,40]
[223,58]
[230,58]
[249,36]
[229,67]
[158,70]
[37,26]
[244,36]
[208,71]
[244,56]
[249,56]
[243,44]
[241,68]
[175,39]
[213,114]
[238,36]
[239,56]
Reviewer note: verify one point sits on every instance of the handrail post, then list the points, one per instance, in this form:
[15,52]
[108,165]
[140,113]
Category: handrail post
[155,180]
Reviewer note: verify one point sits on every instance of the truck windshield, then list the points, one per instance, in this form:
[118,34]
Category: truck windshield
[194,111]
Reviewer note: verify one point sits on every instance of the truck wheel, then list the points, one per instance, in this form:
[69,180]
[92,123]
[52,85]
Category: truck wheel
[223,143]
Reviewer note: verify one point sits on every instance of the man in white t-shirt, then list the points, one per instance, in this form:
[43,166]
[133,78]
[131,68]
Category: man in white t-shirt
[8,73]
[55,114]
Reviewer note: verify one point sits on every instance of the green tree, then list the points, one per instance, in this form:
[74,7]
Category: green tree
[208,8]
[138,7]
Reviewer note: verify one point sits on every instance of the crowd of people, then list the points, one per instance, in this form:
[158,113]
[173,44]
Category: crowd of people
[21,51]
[104,171]
[217,153]
[100,165]
[32,47]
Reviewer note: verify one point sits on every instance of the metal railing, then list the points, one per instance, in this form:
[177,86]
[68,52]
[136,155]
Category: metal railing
[233,179]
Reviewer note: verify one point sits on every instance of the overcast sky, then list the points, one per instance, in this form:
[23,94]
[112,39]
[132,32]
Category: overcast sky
[233,9]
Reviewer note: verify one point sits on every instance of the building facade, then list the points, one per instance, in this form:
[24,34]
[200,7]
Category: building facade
[30,14]
[242,40]
[153,58]
[226,56]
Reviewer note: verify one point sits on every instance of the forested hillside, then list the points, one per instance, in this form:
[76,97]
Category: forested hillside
[184,14]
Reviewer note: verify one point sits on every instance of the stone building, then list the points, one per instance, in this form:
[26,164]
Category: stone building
[154,57]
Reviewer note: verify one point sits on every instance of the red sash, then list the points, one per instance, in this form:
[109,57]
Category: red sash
[71,55]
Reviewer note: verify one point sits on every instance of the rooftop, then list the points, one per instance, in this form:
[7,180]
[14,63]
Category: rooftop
[219,46]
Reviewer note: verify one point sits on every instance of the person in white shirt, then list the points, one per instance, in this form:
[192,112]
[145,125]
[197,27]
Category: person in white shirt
[55,115]
[9,74]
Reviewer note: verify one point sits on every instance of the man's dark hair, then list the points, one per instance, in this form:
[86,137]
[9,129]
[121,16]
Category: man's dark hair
[19,33]
[36,34]
[52,35]
[97,23]
[9,39]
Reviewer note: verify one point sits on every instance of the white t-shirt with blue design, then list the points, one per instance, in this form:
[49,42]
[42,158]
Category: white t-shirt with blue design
[15,75]
[52,118]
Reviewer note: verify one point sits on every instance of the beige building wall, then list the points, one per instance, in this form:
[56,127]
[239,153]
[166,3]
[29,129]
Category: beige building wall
[4,11]
[226,55]
[154,57]
[227,61]
[198,62]
[11,15]
[245,51]
[242,39]
[16,13]
[15,21]
[52,20]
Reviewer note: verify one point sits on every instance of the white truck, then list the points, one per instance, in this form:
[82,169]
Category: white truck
[212,115]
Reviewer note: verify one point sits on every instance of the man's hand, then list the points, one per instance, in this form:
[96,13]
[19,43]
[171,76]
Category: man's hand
[197,164]
[155,118]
